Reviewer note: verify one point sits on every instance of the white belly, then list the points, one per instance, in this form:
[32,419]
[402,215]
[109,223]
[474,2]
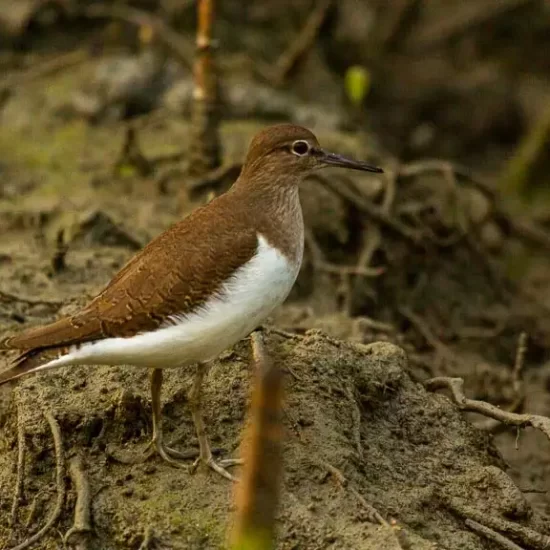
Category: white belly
[243,303]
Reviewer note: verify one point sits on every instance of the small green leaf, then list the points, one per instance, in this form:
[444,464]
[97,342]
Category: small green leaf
[126,170]
[357,83]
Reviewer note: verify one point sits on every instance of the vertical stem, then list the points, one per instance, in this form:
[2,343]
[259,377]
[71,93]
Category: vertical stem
[258,493]
[205,144]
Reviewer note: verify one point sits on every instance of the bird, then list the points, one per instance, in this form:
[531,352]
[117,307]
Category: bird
[199,287]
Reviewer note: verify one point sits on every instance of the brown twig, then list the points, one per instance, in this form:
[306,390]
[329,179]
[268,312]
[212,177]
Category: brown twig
[78,534]
[456,385]
[60,482]
[21,448]
[361,322]
[356,421]
[301,44]
[258,493]
[491,535]
[519,363]
[31,515]
[319,263]
[517,383]
[372,240]
[372,211]
[373,514]
[428,166]
[524,229]
[524,535]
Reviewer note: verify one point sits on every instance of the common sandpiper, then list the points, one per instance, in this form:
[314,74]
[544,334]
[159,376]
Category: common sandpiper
[199,287]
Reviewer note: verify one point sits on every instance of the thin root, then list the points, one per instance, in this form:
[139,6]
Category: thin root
[517,384]
[374,515]
[375,213]
[320,264]
[21,448]
[78,534]
[456,386]
[491,535]
[527,537]
[60,482]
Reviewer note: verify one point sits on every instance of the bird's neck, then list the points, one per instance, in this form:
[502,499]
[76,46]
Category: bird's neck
[277,213]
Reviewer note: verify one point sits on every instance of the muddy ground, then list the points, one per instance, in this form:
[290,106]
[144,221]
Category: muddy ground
[425,272]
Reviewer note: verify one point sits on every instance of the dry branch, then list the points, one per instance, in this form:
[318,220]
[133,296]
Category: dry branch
[456,385]
[517,384]
[375,213]
[427,166]
[320,264]
[301,44]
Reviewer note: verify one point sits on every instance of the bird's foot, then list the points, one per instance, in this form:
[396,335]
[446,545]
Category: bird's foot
[171,456]
[218,466]
[155,446]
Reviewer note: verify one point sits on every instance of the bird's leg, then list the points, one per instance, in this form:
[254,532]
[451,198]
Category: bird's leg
[169,455]
[156,445]
[205,453]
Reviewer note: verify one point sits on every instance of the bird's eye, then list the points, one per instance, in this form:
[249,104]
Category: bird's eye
[300,148]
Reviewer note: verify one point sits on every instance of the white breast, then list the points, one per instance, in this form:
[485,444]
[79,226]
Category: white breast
[242,304]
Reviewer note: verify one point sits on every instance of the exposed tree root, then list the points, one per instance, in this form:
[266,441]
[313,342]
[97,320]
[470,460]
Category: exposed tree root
[373,514]
[490,525]
[60,482]
[79,534]
[456,385]
[21,448]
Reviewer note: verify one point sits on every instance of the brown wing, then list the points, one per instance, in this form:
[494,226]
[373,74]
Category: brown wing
[174,274]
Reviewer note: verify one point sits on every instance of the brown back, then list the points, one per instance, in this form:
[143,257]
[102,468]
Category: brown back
[174,274]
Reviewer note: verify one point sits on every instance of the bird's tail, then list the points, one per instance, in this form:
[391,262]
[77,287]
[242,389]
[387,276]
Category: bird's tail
[30,361]
[38,346]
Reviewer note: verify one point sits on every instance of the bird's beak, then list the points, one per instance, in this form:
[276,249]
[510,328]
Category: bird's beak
[332,159]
